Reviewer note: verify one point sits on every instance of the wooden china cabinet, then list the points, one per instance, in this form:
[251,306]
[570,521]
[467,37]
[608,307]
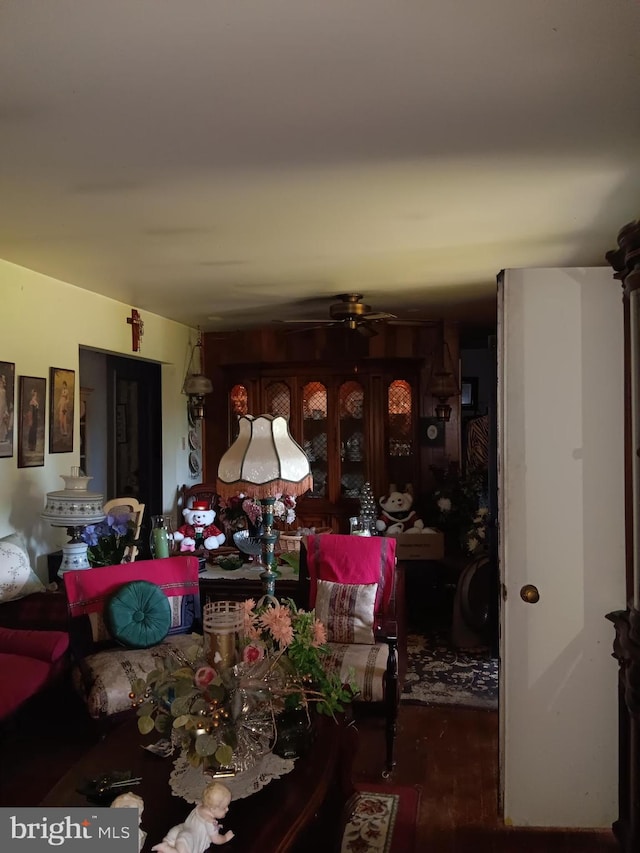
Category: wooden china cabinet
[626,262]
[355,426]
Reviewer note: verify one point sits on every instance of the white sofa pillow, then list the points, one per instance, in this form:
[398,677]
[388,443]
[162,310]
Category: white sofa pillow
[17,578]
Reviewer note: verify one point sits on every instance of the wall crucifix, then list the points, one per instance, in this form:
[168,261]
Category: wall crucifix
[137,329]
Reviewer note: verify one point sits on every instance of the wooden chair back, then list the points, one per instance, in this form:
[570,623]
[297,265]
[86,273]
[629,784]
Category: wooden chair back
[135,510]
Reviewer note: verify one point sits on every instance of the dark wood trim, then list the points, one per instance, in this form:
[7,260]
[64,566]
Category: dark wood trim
[625,261]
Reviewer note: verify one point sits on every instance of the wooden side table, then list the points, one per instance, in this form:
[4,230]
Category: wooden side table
[219,585]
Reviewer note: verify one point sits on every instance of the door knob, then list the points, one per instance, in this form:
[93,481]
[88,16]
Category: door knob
[529,593]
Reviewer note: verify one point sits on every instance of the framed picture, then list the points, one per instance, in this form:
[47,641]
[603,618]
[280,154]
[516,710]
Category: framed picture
[469,392]
[32,410]
[62,388]
[432,432]
[7,393]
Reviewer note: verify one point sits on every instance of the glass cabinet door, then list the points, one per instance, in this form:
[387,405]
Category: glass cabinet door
[351,438]
[315,437]
[400,433]
[277,399]
[238,405]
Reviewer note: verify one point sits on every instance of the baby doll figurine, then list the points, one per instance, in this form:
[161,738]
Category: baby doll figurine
[201,827]
[129,800]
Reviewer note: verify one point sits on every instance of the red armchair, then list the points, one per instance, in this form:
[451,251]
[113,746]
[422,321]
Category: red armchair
[358,593]
[28,661]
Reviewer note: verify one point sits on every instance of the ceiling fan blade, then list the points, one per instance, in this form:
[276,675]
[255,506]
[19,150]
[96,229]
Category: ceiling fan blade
[379,315]
[308,327]
[366,330]
[310,321]
[416,322]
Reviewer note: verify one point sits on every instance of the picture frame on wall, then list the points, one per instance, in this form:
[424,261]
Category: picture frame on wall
[32,407]
[432,432]
[7,396]
[62,392]
[469,393]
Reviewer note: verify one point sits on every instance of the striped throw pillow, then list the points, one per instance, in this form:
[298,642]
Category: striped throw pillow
[347,611]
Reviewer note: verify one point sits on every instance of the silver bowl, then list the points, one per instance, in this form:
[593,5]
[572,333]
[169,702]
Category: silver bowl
[251,545]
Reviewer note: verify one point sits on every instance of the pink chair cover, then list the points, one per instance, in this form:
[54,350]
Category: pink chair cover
[352,559]
[87,588]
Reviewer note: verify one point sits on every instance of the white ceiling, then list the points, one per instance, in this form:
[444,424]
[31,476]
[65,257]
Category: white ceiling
[235,159]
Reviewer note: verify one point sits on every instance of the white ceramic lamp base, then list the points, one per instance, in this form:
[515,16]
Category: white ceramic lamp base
[74,556]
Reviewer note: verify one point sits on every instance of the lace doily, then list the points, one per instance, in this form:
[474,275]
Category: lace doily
[188,782]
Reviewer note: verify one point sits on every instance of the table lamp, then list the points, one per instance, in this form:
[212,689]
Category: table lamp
[74,507]
[264,462]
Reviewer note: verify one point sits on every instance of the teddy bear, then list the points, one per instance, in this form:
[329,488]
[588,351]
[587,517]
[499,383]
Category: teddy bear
[397,515]
[199,530]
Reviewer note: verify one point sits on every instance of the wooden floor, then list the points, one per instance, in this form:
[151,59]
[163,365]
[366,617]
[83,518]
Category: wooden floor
[451,755]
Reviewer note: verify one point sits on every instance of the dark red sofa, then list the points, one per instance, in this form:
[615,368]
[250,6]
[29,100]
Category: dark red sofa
[34,645]
[29,659]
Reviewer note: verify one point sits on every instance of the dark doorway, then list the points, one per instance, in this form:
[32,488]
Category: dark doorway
[134,431]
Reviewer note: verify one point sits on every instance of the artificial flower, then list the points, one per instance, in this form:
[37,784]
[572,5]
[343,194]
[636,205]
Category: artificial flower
[254,652]
[109,539]
[204,676]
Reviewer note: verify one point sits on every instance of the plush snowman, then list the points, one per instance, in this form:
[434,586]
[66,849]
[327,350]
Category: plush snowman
[199,530]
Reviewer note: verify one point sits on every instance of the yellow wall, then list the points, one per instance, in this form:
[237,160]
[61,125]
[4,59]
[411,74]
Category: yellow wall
[43,322]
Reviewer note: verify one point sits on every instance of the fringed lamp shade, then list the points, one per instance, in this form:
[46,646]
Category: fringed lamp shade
[264,461]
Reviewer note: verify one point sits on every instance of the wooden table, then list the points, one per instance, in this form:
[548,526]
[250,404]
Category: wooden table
[300,811]
[217,584]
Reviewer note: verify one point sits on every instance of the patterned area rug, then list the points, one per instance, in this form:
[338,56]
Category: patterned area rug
[440,675]
[381,819]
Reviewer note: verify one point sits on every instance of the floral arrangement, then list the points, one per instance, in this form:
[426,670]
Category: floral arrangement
[285,638]
[240,511]
[109,540]
[457,508]
[475,538]
[220,716]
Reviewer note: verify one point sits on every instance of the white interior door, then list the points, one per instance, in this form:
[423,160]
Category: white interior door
[561,516]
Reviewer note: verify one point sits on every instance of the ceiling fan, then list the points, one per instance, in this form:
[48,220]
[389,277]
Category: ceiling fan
[351,312]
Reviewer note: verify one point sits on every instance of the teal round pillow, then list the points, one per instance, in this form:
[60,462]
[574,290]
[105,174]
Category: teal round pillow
[138,615]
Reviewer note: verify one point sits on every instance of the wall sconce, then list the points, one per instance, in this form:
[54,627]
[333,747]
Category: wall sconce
[196,386]
[444,384]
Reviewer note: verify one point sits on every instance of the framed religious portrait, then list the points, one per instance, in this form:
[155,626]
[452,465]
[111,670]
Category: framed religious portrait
[7,393]
[62,390]
[32,411]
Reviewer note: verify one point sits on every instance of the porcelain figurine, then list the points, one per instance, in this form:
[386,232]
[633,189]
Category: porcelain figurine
[130,800]
[201,827]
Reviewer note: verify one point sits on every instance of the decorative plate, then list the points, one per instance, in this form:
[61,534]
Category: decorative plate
[355,446]
[353,404]
[319,446]
[194,439]
[316,407]
[194,463]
